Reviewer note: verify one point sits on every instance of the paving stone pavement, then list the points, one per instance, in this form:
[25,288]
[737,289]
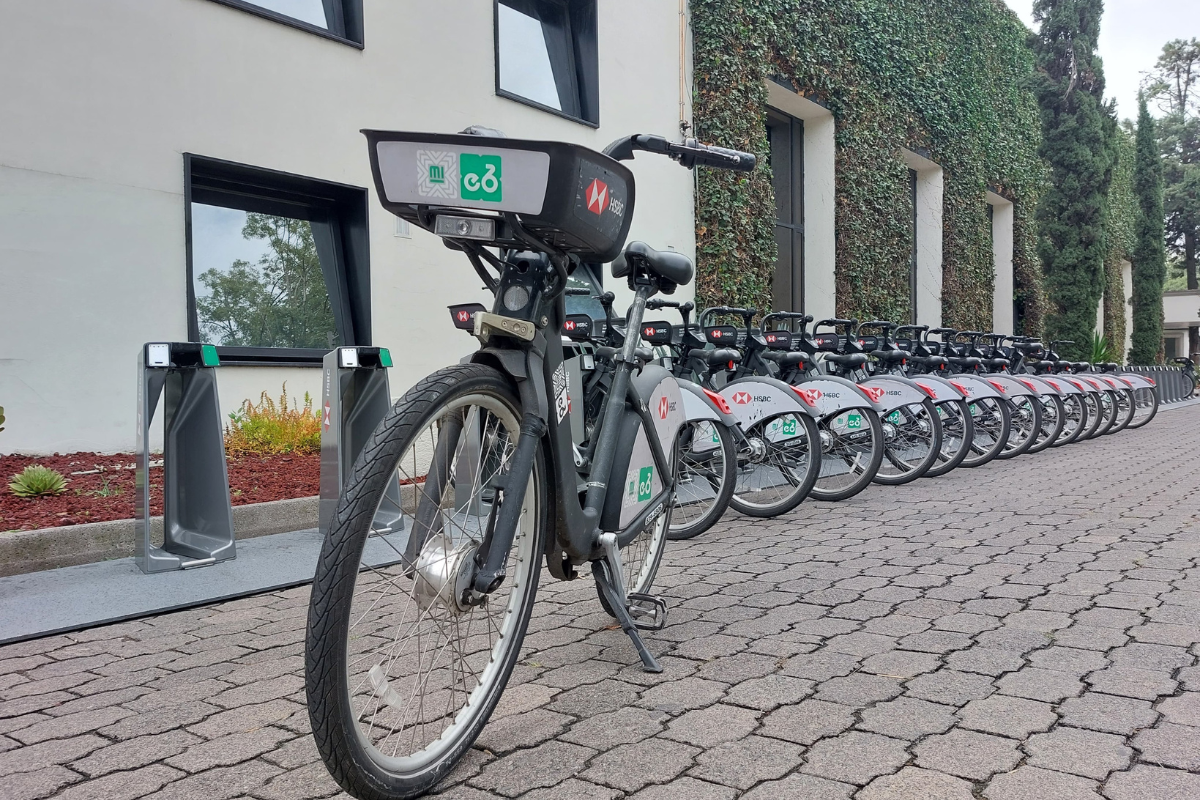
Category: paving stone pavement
[1027,629]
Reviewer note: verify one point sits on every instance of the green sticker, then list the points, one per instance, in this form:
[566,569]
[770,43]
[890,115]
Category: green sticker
[789,427]
[894,416]
[480,177]
[644,480]
[854,421]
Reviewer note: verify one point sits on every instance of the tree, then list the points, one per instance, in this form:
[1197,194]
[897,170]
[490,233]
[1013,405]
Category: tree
[1149,253]
[1175,84]
[280,302]
[1077,131]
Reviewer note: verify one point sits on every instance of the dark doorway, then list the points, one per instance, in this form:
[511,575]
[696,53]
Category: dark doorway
[912,258]
[785,138]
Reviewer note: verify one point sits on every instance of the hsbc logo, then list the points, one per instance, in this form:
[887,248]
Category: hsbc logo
[716,334]
[649,331]
[741,398]
[663,407]
[328,420]
[569,325]
[597,196]
[809,396]
[464,316]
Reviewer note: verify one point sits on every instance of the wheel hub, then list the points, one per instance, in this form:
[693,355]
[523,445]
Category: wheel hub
[826,441]
[443,577]
[758,448]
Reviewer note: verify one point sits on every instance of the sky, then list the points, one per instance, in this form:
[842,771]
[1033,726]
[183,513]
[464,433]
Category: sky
[1132,34]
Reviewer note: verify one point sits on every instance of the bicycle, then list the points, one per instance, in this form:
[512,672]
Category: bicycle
[414,627]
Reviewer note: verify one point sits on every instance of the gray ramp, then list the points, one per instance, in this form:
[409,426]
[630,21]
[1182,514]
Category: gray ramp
[73,598]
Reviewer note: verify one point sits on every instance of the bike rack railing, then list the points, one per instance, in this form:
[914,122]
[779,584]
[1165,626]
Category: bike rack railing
[1172,386]
[355,397]
[197,517]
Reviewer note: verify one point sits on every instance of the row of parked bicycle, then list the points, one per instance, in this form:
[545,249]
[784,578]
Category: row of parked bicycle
[781,412]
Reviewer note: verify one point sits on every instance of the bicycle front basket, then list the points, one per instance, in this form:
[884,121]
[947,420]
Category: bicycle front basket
[571,197]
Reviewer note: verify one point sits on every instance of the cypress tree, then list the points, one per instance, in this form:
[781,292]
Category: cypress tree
[1076,145]
[1149,251]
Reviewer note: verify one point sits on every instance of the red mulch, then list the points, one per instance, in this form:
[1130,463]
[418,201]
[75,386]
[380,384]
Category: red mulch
[252,479]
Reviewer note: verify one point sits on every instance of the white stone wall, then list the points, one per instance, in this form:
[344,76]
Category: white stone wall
[101,99]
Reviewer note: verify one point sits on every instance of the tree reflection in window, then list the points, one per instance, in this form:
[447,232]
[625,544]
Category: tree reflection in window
[279,299]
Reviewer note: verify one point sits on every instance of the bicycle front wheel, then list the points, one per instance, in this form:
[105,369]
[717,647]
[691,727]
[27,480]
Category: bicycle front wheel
[1025,423]
[707,474]
[778,465]
[1053,420]
[990,421]
[1145,402]
[403,665]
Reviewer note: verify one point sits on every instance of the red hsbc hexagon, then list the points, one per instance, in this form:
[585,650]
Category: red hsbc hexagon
[741,398]
[663,408]
[597,196]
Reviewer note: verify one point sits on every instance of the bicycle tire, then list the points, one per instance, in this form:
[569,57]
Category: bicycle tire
[991,421]
[1027,411]
[906,471]
[1145,398]
[1126,410]
[1096,415]
[723,491]
[1053,421]
[766,455]
[355,761]
[1075,419]
[956,445]
[869,469]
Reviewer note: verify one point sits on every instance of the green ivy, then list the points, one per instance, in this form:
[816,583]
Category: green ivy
[1122,217]
[948,77]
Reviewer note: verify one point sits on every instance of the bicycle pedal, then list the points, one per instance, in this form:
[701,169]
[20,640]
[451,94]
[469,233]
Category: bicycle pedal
[642,606]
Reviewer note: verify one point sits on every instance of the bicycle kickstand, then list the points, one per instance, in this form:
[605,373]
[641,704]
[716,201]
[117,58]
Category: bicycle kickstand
[600,570]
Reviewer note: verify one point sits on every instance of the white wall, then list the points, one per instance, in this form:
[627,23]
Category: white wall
[929,238]
[1127,287]
[1002,261]
[101,100]
[820,187]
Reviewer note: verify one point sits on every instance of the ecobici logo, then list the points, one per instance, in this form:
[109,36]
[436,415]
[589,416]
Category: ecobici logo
[642,487]
[469,176]
[480,177]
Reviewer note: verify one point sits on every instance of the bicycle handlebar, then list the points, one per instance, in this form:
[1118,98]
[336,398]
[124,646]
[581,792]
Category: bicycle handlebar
[689,153]
[745,313]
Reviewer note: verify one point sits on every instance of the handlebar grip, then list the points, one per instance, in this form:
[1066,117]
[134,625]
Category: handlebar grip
[656,304]
[706,155]
[576,291]
[943,331]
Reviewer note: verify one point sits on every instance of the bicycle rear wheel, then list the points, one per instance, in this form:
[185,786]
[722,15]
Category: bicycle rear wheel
[957,434]
[1145,406]
[1096,415]
[778,466]
[707,475]
[1025,423]
[1126,408]
[991,422]
[852,450]
[1053,421]
[403,665]
[912,438]
[1075,419]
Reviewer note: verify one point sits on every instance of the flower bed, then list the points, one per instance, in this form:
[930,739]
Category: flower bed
[101,488]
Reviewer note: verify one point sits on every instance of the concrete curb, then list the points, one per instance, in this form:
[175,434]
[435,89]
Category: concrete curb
[50,548]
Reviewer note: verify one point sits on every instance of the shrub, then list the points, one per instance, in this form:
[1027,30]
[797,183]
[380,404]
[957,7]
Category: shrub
[36,481]
[1,418]
[1102,351]
[267,428]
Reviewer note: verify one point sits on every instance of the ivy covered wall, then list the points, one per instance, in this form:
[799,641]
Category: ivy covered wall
[947,78]
[1122,219]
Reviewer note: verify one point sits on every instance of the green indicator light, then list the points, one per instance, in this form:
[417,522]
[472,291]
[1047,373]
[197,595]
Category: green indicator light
[208,356]
[385,356]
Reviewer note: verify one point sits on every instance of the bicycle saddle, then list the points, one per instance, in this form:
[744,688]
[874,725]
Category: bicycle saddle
[967,362]
[786,358]
[722,356]
[891,356]
[997,363]
[848,360]
[668,265]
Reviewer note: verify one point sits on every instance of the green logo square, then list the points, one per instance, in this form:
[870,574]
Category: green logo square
[481,177]
[644,484]
[437,173]
[789,427]
[854,421]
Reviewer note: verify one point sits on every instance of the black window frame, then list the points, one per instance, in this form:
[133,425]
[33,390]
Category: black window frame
[345,249]
[794,225]
[346,26]
[582,32]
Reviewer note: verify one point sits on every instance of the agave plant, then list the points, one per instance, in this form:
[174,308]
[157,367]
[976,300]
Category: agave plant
[1,418]
[1102,350]
[36,481]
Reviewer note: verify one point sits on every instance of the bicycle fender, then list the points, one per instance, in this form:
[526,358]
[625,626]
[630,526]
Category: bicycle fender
[1095,385]
[1063,387]
[939,389]
[1009,386]
[659,391]
[1117,385]
[1041,387]
[898,391]
[974,388]
[833,395]
[697,405]
[635,480]
[754,398]
[1135,381]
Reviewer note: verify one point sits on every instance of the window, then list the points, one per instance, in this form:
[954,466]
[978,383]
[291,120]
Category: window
[546,56]
[785,140]
[278,265]
[334,19]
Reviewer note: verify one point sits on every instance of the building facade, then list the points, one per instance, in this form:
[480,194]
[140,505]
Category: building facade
[193,170]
